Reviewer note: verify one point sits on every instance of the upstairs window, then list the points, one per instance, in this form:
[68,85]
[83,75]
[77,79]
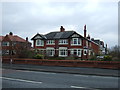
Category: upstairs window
[76,41]
[50,42]
[5,43]
[63,41]
[39,43]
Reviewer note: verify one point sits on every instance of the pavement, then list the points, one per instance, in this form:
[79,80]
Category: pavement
[69,70]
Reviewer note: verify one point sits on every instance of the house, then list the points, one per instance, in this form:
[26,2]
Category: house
[12,44]
[65,44]
[103,49]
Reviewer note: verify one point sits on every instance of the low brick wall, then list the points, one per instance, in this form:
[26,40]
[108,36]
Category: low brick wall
[67,63]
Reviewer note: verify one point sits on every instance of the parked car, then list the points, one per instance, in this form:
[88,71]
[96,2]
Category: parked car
[100,57]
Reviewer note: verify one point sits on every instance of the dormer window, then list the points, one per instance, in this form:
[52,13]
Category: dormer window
[39,42]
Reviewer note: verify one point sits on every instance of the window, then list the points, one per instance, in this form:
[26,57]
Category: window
[76,52]
[63,41]
[85,51]
[90,44]
[5,43]
[4,52]
[89,52]
[76,41]
[63,52]
[50,42]
[39,43]
[50,52]
[86,43]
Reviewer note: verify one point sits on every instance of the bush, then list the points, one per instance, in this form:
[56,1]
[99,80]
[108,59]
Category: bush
[107,58]
[39,56]
[93,58]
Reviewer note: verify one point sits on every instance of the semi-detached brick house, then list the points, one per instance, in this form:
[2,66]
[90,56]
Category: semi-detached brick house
[12,44]
[66,43]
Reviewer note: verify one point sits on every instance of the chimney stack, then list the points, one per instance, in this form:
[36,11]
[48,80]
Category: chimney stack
[27,39]
[88,36]
[62,29]
[10,33]
[85,31]
[92,39]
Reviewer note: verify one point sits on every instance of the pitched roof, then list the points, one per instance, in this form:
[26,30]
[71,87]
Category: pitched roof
[1,38]
[59,35]
[40,36]
[15,38]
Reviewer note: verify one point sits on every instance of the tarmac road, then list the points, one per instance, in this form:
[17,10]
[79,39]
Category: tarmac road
[34,79]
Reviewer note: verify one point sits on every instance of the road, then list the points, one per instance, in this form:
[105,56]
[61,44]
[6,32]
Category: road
[33,79]
[71,70]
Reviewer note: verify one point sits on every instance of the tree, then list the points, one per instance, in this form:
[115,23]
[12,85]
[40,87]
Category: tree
[115,52]
[23,50]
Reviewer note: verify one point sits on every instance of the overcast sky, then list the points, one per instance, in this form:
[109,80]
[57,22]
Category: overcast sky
[25,19]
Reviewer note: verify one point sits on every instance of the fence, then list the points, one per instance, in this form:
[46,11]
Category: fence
[67,63]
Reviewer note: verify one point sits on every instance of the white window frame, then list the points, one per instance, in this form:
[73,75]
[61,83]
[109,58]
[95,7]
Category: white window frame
[85,50]
[78,51]
[51,50]
[5,43]
[50,42]
[64,50]
[41,42]
[89,52]
[63,41]
[73,40]
[86,43]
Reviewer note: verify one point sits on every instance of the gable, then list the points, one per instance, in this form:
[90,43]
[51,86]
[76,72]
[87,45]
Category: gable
[37,37]
[75,35]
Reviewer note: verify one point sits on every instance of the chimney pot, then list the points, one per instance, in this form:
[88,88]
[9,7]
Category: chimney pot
[26,38]
[88,36]
[10,33]
[62,29]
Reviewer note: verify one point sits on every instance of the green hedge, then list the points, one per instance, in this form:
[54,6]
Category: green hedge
[39,56]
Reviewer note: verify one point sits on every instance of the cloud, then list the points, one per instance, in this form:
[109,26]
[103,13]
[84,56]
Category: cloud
[29,18]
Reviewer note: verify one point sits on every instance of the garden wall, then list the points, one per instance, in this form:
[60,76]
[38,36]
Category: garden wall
[67,63]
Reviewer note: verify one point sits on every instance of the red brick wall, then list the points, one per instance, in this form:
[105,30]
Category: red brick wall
[71,63]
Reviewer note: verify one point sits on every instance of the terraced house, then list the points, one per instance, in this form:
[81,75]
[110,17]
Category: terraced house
[66,43]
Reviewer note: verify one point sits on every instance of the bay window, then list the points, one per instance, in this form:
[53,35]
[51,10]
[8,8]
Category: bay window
[63,52]
[76,52]
[76,41]
[50,52]
[39,42]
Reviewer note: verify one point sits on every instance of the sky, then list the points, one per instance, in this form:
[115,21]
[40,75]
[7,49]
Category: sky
[26,19]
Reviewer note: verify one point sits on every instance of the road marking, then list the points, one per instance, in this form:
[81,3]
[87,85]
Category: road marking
[35,71]
[21,80]
[82,75]
[84,88]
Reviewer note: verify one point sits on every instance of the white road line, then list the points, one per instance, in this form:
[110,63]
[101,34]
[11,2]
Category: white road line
[82,75]
[21,80]
[84,88]
[77,87]
[35,71]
